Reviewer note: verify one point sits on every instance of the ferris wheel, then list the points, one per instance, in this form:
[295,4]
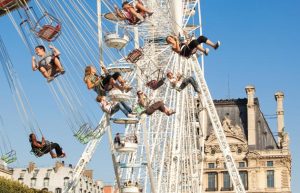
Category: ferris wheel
[159,153]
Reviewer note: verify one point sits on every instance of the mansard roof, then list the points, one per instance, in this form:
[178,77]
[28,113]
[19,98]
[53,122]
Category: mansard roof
[236,111]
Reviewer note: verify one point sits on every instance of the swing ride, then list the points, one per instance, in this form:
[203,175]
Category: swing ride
[156,153]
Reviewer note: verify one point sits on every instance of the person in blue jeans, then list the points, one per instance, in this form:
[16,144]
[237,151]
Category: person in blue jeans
[178,82]
[113,107]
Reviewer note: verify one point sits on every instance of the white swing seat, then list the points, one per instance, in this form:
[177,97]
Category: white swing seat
[125,120]
[10,5]
[190,12]
[121,69]
[117,95]
[189,28]
[113,40]
[130,189]
[130,165]
[113,17]
[126,147]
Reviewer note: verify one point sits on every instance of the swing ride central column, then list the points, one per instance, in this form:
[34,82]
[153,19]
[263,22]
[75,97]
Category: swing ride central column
[177,15]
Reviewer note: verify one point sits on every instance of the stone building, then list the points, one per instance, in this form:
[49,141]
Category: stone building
[55,179]
[5,172]
[264,162]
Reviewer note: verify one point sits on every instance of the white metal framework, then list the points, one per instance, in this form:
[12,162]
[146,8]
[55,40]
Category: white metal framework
[169,156]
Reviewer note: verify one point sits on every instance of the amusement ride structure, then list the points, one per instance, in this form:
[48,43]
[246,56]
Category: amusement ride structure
[157,153]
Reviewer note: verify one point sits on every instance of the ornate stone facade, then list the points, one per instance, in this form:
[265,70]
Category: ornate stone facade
[264,166]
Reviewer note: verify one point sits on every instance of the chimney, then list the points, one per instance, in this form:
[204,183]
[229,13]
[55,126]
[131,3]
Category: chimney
[58,165]
[250,90]
[280,115]
[88,174]
[31,167]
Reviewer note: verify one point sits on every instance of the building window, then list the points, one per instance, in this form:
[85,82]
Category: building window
[21,180]
[226,182]
[58,190]
[270,178]
[33,182]
[242,164]
[244,178]
[48,173]
[212,181]
[211,165]
[66,181]
[46,182]
[270,163]
[22,175]
[35,173]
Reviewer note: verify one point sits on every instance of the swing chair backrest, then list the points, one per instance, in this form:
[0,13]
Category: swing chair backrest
[47,27]
[10,5]
[134,55]
[84,134]
[9,157]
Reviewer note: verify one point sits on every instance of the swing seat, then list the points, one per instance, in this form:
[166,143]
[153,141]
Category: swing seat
[49,32]
[134,56]
[125,120]
[113,17]
[84,134]
[155,84]
[130,189]
[37,152]
[113,40]
[47,27]
[117,95]
[126,147]
[10,5]
[121,69]
[9,157]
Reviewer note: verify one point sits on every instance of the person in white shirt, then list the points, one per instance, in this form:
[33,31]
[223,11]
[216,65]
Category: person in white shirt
[178,82]
[113,107]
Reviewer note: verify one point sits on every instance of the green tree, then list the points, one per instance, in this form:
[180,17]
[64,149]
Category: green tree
[10,186]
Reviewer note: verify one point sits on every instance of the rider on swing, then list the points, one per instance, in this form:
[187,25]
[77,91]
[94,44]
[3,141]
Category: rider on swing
[48,64]
[45,147]
[132,14]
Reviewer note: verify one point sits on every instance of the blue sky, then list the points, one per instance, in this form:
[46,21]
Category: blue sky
[260,45]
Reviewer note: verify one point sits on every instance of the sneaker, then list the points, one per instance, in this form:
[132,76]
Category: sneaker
[206,51]
[150,14]
[62,155]
[50,79]
[217,45]
[171,112]
[62,71]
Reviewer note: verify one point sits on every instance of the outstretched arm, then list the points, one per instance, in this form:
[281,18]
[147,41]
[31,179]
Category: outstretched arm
[104,68]
[33,64]
[38,145]
[55,51]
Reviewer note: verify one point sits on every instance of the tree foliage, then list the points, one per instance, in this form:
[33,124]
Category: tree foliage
[10,186]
